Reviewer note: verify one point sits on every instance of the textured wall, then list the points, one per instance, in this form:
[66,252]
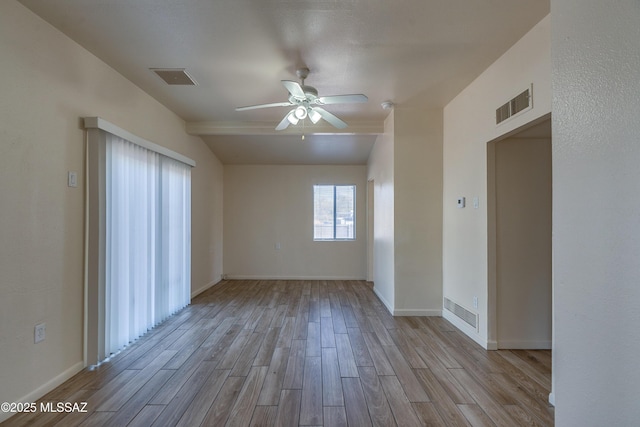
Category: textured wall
[596,220]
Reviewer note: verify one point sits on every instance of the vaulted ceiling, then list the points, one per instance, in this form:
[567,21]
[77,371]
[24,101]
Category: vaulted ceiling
[415,53]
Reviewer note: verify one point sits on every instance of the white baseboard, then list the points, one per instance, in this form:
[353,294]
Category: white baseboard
[524,345]
[405,311]
[45,388]
[202,289]
[491,345]
[388,306]
[245,277]
[417,312]
[469,331]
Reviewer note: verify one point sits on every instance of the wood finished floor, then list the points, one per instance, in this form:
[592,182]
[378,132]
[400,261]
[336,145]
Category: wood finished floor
[312,353]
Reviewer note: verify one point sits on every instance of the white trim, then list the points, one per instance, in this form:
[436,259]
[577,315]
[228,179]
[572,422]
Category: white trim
[417,312]
[469,331]
[406,311]
[383,300]
[46,388]
[203,288]
[491,345]
[267,128]
[524,345]
[102,124]
[246,277]
[552,399]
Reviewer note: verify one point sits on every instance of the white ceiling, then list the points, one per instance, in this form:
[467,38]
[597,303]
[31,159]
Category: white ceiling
[416,53]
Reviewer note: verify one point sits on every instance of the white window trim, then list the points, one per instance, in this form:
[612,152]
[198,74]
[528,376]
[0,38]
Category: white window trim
[355,195]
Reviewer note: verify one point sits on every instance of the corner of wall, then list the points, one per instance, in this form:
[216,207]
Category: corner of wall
[204,288]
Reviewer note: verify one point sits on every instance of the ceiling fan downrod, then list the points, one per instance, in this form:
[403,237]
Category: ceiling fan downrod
[302,74]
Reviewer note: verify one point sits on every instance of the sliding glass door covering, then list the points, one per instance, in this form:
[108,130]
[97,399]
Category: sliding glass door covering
[139,237]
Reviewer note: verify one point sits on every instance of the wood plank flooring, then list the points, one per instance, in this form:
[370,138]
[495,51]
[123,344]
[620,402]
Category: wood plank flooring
[305,353]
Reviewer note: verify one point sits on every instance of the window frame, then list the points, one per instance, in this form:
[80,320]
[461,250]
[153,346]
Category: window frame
[354,198]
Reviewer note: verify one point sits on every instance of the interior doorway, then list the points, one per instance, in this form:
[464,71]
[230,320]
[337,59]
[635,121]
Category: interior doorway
[520,246]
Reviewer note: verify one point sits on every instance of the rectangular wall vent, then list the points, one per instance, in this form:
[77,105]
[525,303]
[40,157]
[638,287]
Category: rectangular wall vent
[522,102]
[462,313]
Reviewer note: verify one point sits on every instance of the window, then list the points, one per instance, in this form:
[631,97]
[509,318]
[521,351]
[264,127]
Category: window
[334,209]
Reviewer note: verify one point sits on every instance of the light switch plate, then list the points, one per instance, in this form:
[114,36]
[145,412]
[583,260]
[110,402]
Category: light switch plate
[72,179]
[39,332]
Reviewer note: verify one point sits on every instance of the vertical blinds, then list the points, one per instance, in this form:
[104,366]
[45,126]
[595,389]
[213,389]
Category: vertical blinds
[147,240]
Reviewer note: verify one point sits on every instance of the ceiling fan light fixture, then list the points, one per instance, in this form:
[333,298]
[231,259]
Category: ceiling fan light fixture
[300,112]
[292,117]
[314,116]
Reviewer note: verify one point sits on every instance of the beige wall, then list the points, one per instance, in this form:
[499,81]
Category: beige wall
[406,168]
[267,206]
[469,124]
[596,219]
[48,83]
[523,242]
[380,172]
[418,211]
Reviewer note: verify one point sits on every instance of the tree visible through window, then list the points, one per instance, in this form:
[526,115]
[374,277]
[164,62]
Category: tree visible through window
[334,212]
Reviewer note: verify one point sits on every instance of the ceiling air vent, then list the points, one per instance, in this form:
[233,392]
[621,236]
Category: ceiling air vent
[174,76]
[462,313]
[522,102]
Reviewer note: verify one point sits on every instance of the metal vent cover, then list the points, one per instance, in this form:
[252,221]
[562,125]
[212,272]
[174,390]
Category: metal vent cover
[522,102]
[174,76]
[462,313]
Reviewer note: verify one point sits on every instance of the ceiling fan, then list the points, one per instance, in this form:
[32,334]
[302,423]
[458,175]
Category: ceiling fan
[307,103]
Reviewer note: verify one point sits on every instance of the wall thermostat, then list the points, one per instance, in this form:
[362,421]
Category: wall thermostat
[460,202]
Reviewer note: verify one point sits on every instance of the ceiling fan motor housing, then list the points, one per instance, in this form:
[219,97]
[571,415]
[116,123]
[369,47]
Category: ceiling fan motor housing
[310,91]
[311,95]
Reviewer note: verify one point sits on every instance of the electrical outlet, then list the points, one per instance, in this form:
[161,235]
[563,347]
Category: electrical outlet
[475,302]
[39,332]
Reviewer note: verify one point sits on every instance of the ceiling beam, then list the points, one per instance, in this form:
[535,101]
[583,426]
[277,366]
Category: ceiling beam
[268,128]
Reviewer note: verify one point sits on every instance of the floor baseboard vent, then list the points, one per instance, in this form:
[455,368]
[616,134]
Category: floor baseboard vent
[462,313]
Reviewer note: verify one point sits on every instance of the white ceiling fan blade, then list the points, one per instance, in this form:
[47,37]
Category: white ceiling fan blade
[331,118]
[285,122]
[255,107]
[294,89]
[342,99]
